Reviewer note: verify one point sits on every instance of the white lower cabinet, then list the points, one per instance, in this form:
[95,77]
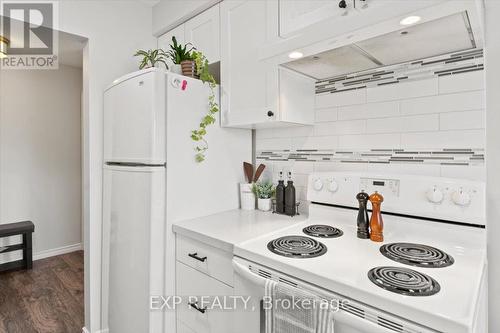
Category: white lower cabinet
[181,328]
[193,313]
[202,271]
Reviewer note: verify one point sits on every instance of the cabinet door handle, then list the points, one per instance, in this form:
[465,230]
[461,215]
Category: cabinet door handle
[195,306]
[195,256]
[270,113]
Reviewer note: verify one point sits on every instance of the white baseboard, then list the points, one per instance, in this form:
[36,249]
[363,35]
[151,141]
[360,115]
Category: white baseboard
[57,251]
[84,330]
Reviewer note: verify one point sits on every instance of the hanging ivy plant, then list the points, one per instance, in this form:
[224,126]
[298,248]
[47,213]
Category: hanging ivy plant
[198,135]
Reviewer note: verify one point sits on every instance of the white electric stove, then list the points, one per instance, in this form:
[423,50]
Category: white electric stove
[427,276]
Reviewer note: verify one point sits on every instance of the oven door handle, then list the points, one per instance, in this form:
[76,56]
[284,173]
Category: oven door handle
[360,324]
[249,275]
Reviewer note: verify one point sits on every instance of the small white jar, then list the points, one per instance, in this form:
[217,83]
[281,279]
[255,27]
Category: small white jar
[247,197]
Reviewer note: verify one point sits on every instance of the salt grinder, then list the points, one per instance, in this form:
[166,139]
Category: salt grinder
[363,220]
[376,222]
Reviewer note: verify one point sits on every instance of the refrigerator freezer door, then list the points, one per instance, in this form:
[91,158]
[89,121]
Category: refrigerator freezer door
[134,118]
[133,247]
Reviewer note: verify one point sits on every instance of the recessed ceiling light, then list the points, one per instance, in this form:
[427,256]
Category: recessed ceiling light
[4,42]
[295,55]
[410,20]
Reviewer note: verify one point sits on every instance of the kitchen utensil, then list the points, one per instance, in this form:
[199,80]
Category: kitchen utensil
[248,168]
[258,173]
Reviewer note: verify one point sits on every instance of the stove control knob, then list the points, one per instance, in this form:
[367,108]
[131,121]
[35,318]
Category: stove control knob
[333,186]
[318,184]
[435,195]
[461,198]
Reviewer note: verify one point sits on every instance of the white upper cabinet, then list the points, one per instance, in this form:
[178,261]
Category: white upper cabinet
[251,86]
[296,15]
[203,31]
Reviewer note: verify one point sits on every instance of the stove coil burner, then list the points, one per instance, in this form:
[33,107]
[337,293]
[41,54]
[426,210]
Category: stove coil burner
[404,281]
[323,231]
[416,255]
[297,247]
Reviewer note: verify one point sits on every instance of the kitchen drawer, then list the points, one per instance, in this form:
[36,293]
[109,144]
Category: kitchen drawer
[205,258]
[181,328]
[191,282]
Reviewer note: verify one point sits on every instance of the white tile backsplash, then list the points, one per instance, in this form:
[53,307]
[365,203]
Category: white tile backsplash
[368,110]
[428,122]
[370,141]
[443,139]
[403,90]
[340,127]
[444,103]
[437,113]
[350,97]
[327,115]
[463,82]
[462,120]
[315,142]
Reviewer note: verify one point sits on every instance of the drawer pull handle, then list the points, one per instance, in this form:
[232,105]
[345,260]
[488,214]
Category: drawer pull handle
[195,306]
[195,256]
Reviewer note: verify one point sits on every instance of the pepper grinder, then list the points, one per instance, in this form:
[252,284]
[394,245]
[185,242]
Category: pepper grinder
[363,220]
[376,222]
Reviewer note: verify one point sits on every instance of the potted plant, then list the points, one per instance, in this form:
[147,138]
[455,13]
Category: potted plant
[151,58]
[264,192]
[182,56]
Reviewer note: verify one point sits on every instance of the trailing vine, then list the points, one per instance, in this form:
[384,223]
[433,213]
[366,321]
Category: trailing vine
[198,135]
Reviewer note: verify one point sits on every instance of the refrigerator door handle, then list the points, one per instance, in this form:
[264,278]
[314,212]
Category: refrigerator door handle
[136,164]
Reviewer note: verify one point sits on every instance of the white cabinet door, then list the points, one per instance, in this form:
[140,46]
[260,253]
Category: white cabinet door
[165,40]
[203,31]
[193,284]
[299,14]
[247,94]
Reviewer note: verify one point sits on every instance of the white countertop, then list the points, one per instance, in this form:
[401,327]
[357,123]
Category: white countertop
[224,230]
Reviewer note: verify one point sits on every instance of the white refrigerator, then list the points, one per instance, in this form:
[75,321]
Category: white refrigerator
[150,181]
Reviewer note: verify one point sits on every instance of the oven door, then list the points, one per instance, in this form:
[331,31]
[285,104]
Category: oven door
[251,319]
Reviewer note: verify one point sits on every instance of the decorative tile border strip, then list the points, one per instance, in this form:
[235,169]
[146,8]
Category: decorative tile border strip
[466,156]
[450,64]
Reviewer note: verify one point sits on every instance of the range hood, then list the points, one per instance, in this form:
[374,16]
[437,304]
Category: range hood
[433,38]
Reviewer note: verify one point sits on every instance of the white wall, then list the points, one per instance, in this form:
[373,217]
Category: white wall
[492,26]
[430,114]
[168,14]
[40,154]
[115,29]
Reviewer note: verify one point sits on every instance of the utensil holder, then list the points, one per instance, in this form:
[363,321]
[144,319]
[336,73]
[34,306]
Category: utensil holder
[247,197]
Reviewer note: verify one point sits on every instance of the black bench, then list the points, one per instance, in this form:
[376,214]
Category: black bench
[25,229]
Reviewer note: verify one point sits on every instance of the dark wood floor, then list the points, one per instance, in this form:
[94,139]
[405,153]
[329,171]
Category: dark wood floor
[46,299]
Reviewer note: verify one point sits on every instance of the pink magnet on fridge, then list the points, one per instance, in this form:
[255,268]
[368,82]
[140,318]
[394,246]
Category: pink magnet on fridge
[184,85]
